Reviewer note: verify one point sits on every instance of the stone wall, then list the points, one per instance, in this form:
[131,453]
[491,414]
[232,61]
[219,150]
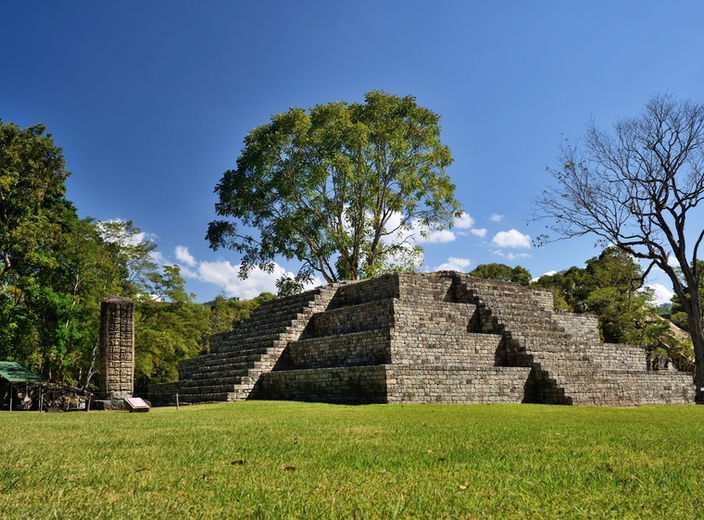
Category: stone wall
[372,347]
[582,327]
[445,384]
[428,348]
[544,298]
[380,288]
[424,288]
[370,315]
[618,356]
[219,341]
[116,379]
[349,385]
[656,387]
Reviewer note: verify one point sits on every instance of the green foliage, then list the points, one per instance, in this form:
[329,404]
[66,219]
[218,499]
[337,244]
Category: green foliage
[338,187]
[610,286]
[679,314]
[58,268]
[169,326]
[503,272]
[32,187]
[301,460]
[228,314]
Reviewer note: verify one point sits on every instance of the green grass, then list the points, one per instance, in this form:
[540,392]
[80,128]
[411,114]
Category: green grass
[414,461]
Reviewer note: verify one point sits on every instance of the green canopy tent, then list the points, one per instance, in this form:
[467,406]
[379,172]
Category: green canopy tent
[16,373]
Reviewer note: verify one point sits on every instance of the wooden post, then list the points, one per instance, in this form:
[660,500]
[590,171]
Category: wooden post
[176,401]
[90,396]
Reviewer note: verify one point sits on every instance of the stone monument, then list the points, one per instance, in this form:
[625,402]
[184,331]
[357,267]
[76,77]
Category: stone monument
[116,348]
[422,338]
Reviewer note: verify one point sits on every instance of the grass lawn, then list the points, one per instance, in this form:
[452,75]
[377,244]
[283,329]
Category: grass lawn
[298,460]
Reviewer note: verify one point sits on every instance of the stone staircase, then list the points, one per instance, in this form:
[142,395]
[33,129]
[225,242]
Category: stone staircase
[564,371]
[422,337]
[394,339]
[237,358]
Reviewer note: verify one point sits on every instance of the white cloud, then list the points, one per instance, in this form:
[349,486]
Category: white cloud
[435,236]
[511,238]
[414,235]
[157,257]
[496,218]
[454,264]
[225,275]
[464,221]
[481,233]
[182,255]
[661,293]
[549,273]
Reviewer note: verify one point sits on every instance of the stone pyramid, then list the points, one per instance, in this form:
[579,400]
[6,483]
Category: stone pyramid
[417,338]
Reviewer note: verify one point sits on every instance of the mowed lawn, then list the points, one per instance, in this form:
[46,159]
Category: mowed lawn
[300,460]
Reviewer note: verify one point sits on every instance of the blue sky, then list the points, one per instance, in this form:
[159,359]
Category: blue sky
[150,101]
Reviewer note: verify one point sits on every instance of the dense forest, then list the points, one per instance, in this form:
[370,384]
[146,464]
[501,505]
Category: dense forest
[57,268]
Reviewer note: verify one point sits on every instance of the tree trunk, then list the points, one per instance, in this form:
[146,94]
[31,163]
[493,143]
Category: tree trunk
[696,331]
[90,373]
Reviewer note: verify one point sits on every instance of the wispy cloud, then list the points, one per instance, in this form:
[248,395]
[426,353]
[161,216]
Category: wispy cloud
[225,275]
[481,233]
[510,256]
[496,218]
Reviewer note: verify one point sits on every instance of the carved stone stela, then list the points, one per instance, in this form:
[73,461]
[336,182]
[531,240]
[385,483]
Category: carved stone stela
[116,348]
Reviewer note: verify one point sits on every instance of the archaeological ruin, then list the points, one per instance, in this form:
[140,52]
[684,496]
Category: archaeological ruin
[116,348]
[444,337]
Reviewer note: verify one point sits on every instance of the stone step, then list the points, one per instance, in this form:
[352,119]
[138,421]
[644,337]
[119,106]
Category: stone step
[237,358]
[360,317]
[234,370]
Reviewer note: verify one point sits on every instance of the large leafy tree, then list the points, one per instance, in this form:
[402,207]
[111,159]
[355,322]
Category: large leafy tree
[339,187]
[639,188]
[32,204]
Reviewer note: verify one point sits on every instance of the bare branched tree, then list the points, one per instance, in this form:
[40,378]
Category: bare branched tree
[639,188]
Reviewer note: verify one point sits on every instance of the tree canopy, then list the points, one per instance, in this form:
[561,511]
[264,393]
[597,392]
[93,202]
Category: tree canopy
[639,189]
[503,272]
[338,187]
[32,206]
[57,268]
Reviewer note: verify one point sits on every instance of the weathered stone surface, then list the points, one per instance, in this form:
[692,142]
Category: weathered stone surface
[410,337]
[116,348]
